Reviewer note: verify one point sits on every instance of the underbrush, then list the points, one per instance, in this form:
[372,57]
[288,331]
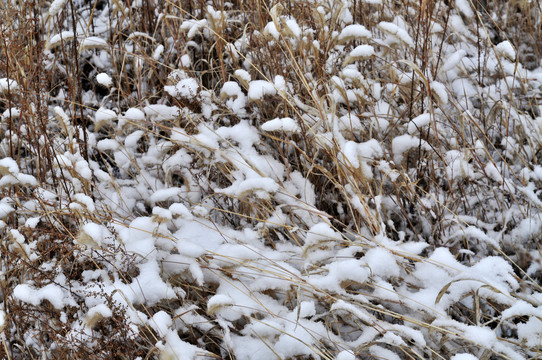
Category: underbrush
[293,180]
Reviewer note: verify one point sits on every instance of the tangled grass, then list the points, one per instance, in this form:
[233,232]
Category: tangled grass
[295,180]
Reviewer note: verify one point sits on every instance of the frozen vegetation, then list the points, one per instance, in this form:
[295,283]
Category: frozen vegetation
[310,179]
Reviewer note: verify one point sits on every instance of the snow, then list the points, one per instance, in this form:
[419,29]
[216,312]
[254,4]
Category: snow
[158,51]
[464,356]
[439,92]
[104,80]
[339,272]
[59,38]
[285,124]
[242,75]
[341,305]
[56,7]
[175,348]
[2,320]
[160,113]
[321,232]
[396,31]
[107,144]
[464,7]
[381,262]
[230,89]
[403,143]
[359,53]
[494,173]
[260,88]
[8,166]
[92,235]
[104,116]
[161,322]
[138,237]
[52,293]
[7,85]
[506,49]
[354,32]
[292,28]
[362,51]
[271,30]
[134,114]
[193,27]
[17,236]
[236,99]
[483,336]
[419,122]
[132,139]
[96,314]
[458,166]
[5,210]
[530,331]
[186,88]
[520,308]
[382,353]
[250,348]
[163,195]
[161,214]
[260,187]
[11,113]
[93,42]
[148,287]
[453,60]
[30,223]
[280,84]
[18,179]
[310,186]
[86,201]
[218,302]
[345,355]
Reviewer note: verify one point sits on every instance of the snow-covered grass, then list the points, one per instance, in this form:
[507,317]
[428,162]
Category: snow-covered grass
[315,179]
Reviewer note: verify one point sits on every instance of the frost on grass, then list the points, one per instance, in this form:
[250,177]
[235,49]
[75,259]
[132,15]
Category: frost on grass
[316,181]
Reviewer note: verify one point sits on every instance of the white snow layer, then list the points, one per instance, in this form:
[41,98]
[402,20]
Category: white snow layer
[285,124]
[104,80]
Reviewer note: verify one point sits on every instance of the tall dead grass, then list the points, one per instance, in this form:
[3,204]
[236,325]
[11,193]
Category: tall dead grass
[422,202]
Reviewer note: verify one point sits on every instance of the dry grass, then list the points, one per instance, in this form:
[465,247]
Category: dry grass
[469,169]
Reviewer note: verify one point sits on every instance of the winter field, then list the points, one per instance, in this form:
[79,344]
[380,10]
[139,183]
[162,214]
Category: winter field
[304,179]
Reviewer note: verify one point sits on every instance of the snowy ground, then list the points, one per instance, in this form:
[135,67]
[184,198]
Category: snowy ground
[316,179]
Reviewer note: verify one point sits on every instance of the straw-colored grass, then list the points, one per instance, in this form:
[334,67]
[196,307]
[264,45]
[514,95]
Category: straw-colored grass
[397,217]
